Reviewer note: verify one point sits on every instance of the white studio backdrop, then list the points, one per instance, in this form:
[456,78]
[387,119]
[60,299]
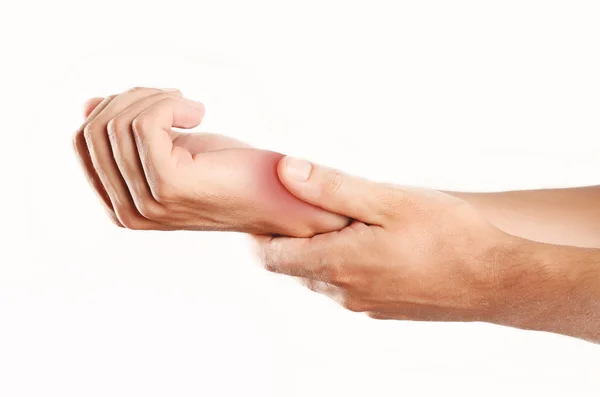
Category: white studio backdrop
[458,95]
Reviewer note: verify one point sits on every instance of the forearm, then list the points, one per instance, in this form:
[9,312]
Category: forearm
[550,288]
[555,216]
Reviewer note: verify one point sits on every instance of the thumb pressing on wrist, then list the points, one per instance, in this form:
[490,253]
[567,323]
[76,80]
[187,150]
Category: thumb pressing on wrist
[332,190]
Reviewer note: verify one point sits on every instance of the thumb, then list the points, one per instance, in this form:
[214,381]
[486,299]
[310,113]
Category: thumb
[333,190]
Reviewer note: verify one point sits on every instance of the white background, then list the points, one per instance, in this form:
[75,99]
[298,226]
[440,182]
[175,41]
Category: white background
[468,95]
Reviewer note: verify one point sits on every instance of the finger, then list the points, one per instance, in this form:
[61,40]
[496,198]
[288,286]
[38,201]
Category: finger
[102,158]
[90,105]
[151,131]
[318,258]
[126,155]
[334,191]
[83,154]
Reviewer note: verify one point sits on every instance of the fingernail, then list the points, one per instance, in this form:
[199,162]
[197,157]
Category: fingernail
[169,89]
[297,169]
[195,104]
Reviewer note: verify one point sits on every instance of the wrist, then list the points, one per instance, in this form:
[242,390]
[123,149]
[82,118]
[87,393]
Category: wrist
[549,288]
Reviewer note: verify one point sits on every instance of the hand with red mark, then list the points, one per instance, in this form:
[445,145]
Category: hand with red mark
[150,177]
[420,254]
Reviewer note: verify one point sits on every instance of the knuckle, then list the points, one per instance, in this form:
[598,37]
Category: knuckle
[89,131]
[139,124]
[163,193]
[149,209]
[145,120]
[130,220]
[115,127]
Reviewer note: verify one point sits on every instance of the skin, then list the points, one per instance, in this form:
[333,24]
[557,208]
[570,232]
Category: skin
[417,254]
[554,216]
[527,259]
[151,177]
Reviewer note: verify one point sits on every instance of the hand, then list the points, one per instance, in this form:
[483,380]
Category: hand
[151,177]
[409,254]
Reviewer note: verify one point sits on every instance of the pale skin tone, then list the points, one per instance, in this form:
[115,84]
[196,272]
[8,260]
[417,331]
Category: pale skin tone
[526,259]
[151,177]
